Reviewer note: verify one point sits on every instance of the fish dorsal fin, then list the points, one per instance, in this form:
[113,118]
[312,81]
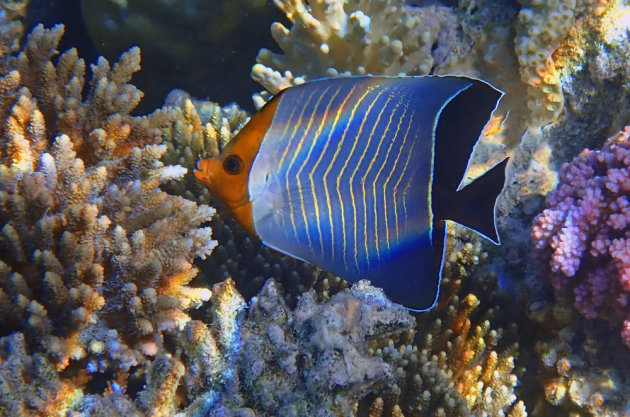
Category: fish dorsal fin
[459,127]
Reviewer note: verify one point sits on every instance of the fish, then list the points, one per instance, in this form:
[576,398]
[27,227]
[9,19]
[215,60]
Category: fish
[359,175]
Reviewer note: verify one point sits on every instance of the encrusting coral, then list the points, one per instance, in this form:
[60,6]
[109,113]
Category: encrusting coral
[541,28]
[96,259]
[580,367]
[271,360]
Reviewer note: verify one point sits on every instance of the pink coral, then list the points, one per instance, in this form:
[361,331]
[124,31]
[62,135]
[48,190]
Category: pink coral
[583,235]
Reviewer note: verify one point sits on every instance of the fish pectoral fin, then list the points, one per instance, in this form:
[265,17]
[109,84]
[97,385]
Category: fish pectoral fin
[285,252]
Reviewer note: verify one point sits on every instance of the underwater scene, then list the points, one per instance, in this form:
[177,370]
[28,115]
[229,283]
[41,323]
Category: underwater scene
[327,208]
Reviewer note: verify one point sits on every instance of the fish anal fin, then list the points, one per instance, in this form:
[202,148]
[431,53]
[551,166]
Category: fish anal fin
[412,275]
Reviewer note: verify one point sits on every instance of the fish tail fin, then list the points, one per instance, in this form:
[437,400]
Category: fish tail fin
[471,206]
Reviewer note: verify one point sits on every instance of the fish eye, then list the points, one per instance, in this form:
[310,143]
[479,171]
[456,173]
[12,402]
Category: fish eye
[233,165]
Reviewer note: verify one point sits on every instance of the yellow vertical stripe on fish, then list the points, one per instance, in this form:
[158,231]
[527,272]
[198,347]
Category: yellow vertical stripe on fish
[356,169]
[323,117]
[350,181]
[382,162]
[389,148]
[333,127]
[389,177]
[331,164]
[295,156]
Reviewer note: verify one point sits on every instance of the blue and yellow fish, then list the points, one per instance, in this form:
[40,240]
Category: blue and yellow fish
[357,175]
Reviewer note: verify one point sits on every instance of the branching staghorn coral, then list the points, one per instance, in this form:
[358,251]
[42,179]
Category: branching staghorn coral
[95,258]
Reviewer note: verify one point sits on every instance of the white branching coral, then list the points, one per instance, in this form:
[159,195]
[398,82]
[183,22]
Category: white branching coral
[96,259]
[356,37]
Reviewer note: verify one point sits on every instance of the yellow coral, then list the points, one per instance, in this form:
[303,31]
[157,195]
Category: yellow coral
[457,370]
[199,130]
[542,29]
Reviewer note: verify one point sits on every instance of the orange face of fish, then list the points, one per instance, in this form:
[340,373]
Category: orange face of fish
[227,175]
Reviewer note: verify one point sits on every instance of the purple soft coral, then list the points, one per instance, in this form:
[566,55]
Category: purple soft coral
[584,233]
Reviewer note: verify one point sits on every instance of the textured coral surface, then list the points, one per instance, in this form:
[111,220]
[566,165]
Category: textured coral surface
[583,235]
[107,308]
[95,258]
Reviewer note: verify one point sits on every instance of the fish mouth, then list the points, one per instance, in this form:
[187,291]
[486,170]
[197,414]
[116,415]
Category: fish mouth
[204,171]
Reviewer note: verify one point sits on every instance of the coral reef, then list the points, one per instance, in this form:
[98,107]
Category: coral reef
[95,258]
[583,234]
[580,367]
[101,310]
[456,371]
[357,37]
